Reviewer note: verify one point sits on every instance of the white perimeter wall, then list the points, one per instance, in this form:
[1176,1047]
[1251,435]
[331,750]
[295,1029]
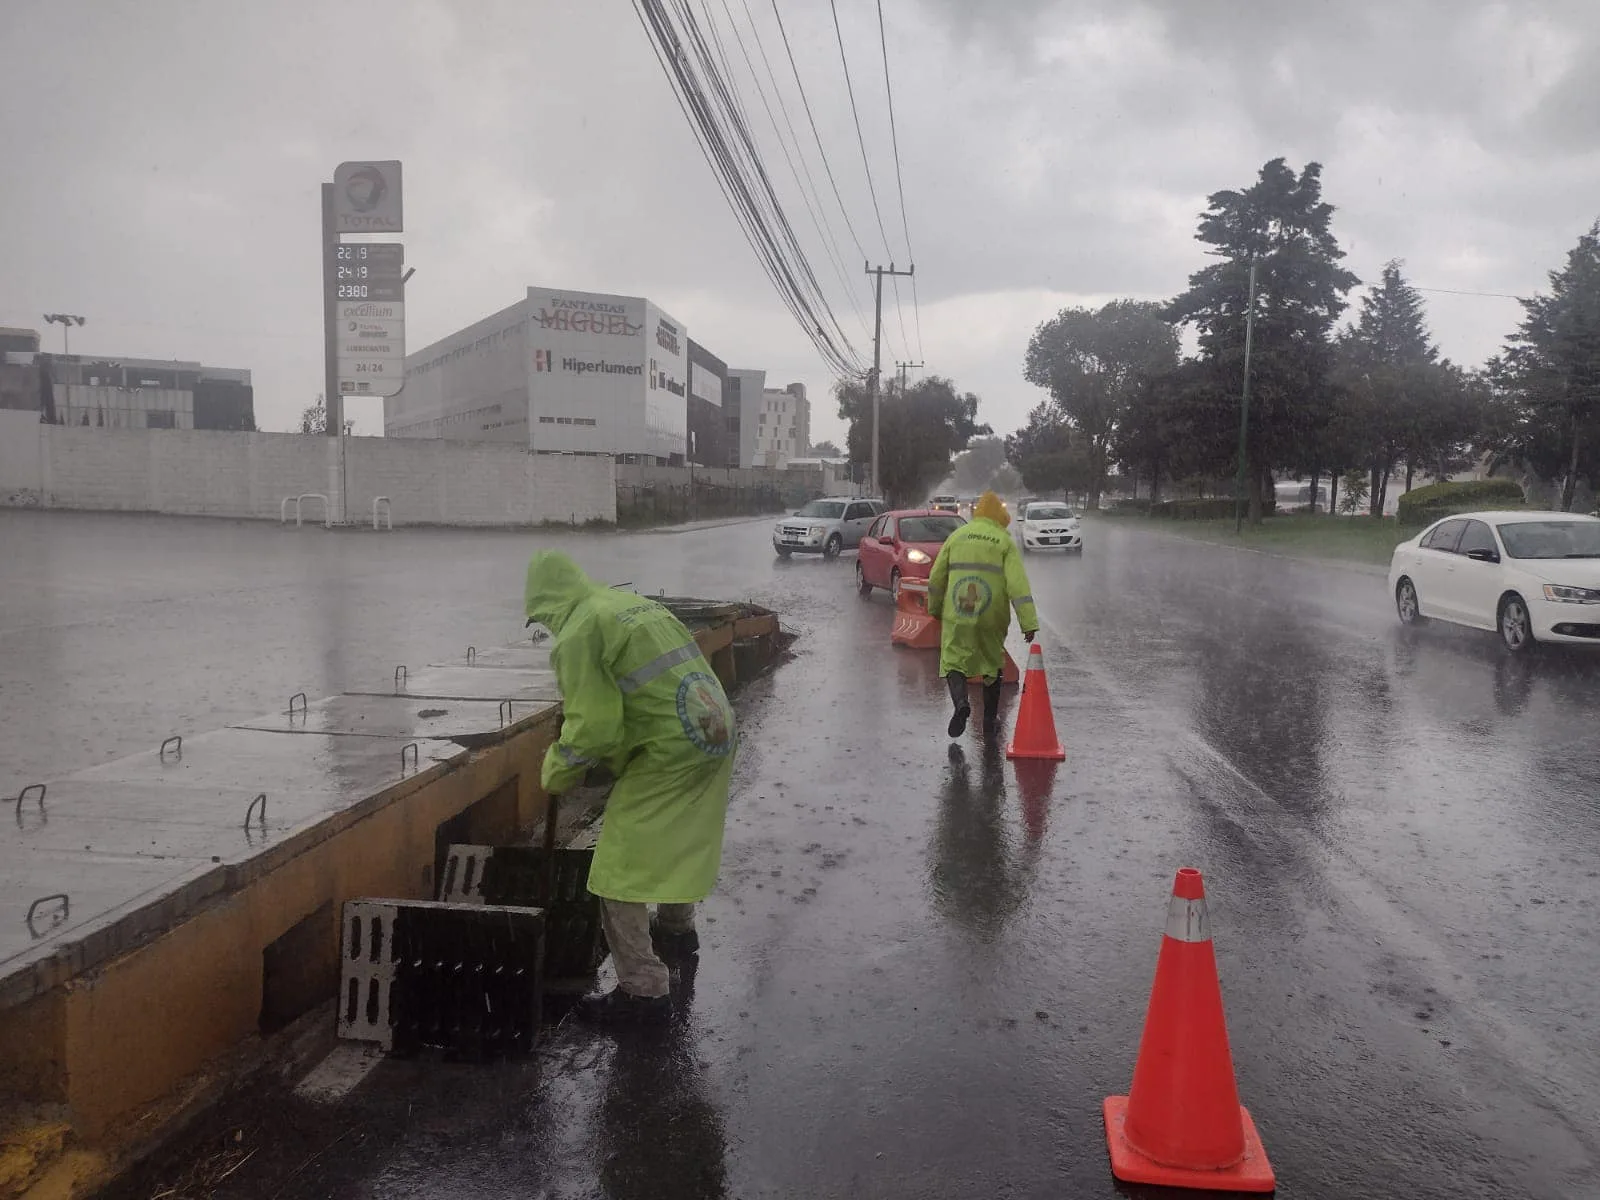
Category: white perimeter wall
[205,473]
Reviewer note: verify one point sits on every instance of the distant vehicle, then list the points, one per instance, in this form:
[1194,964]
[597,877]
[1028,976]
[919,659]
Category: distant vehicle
[1531,576]
[1047,524]
[948,504]
[902,545]
[827,527]
[1293,495]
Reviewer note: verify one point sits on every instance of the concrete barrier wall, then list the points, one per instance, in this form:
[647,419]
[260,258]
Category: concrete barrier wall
[206,473]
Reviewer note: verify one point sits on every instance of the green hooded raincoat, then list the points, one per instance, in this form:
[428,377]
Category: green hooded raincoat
[639,698]
[976,580]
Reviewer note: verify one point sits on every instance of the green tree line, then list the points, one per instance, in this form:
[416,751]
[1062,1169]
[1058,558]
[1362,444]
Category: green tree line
[1370,398]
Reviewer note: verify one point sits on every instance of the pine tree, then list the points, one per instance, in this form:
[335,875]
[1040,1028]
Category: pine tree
[1282,224]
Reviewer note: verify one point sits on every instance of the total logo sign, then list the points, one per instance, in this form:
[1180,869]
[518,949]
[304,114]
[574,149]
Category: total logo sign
[660,379]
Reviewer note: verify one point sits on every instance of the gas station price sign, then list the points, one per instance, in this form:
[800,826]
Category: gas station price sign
[367,271]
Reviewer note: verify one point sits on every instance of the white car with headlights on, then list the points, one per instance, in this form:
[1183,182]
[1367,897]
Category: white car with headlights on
[1046,525]
[1530,576]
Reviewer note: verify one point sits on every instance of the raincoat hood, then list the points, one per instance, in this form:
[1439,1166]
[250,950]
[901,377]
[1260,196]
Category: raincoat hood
[555,587]
[989,508]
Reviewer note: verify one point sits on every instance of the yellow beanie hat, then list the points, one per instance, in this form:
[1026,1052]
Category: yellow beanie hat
[990,508]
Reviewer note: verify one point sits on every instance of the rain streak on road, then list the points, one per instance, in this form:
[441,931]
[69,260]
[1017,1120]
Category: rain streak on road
[923,970]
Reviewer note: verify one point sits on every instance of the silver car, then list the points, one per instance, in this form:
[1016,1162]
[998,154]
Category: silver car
[827,527]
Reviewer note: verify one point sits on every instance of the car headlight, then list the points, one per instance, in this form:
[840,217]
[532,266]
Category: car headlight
[917,556]
[1560,594]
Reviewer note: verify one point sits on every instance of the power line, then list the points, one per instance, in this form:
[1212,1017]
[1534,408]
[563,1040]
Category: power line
[1458,292]
[872,188]
[725,89]
[826,165]
[710,107]
[808,190]
[899,182]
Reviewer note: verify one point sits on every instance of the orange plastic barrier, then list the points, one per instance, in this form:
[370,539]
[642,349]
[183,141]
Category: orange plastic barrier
[915,628]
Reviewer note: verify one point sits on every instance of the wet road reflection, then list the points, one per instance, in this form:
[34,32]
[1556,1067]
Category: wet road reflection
[659,1133]
[921,975]
[978,876]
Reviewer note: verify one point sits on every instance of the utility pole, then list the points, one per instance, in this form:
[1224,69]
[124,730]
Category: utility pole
[66,321]
[877,357]
[904,367]
[1244,404]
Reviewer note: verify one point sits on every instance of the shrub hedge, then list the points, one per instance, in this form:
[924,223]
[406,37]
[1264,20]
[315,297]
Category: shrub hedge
[1423,505]
[1213,508]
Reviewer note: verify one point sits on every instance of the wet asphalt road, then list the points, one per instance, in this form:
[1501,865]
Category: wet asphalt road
[922,974]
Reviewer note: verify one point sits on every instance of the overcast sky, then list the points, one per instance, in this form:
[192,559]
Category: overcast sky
[162,161]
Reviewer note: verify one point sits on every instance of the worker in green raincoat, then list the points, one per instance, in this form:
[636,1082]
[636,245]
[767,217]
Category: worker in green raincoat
[975,582]
[640,700]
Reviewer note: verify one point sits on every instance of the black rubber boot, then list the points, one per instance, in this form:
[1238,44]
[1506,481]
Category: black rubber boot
[958,697]
[673,947]
[618,1007]
[991,709]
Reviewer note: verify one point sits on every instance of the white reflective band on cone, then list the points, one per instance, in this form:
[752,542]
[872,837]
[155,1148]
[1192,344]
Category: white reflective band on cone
[1187,920]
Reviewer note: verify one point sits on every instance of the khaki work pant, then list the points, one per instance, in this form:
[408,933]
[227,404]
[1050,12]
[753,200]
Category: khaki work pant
[627,930]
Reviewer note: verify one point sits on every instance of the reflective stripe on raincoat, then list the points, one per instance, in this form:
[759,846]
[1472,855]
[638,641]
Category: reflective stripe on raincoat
[976,580]
[639,698]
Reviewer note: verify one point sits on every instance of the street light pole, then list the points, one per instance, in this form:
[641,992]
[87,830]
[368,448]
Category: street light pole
[1244,405]
[66,321]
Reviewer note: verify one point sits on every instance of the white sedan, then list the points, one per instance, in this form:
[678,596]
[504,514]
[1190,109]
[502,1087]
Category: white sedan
[1533,576]
[1049,526]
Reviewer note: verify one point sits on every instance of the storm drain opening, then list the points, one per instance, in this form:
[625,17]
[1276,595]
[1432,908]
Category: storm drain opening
[299,970]
[491,819]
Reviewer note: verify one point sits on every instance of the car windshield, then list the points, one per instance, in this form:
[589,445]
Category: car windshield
[1049,512]
[928,529]
[1552,539]
[822,508]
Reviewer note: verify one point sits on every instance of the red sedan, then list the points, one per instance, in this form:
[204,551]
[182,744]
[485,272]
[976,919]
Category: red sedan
[902,545]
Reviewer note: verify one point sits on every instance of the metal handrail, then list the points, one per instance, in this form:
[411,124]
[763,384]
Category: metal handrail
[66,911]
[299,506]
[23,797]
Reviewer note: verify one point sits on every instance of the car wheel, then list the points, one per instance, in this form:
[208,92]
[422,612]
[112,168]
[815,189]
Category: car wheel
[833,546]
[862,585]
[1025,549]
[1405,603]
[894,586]
[782,553]
[1516,626]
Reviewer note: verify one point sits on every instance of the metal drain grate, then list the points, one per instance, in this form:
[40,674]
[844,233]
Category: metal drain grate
[464,978]
[461,881]
[366,974]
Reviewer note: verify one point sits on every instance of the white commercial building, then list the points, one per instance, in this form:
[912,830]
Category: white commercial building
[780,428]
[560,372]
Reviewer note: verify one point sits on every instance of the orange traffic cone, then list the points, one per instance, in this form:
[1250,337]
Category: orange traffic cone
[1035,733]
[1181,1125]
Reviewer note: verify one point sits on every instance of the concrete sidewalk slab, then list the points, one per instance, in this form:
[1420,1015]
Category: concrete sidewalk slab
[406,718]
[487,682]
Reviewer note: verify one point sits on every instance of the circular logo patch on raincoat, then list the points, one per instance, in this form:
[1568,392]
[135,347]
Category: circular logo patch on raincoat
[704,715]
[973,595]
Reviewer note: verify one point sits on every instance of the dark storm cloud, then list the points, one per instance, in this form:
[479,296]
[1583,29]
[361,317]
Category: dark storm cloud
[164,158]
